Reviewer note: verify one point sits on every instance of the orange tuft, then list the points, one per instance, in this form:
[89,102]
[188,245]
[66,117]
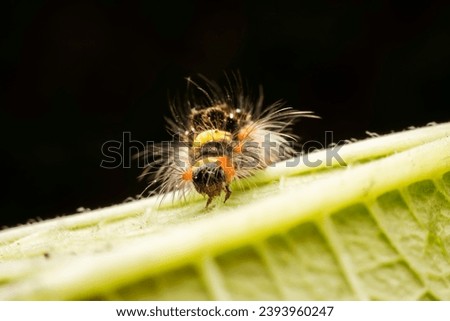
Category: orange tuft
[238,148]
[187,175]
[245,132]
[227,167]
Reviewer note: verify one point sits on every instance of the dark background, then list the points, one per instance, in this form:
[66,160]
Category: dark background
[77,74]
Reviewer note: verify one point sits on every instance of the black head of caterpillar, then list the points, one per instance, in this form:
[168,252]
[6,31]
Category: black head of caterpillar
[221,136]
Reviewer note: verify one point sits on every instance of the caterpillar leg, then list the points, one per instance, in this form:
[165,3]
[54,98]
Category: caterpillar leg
[227,193]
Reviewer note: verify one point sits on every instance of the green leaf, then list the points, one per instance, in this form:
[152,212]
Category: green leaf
[375,227]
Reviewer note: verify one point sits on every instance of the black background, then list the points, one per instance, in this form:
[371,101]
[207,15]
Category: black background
[77,74]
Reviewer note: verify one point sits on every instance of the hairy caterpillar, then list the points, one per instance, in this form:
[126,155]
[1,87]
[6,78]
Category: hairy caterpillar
[220,134]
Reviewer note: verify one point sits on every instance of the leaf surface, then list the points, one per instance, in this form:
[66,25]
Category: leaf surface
[371,224]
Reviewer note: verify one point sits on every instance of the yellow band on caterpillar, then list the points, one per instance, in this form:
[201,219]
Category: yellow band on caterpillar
[212,135]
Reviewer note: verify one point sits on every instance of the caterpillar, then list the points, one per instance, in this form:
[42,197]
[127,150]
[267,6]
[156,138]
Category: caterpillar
[220,134]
